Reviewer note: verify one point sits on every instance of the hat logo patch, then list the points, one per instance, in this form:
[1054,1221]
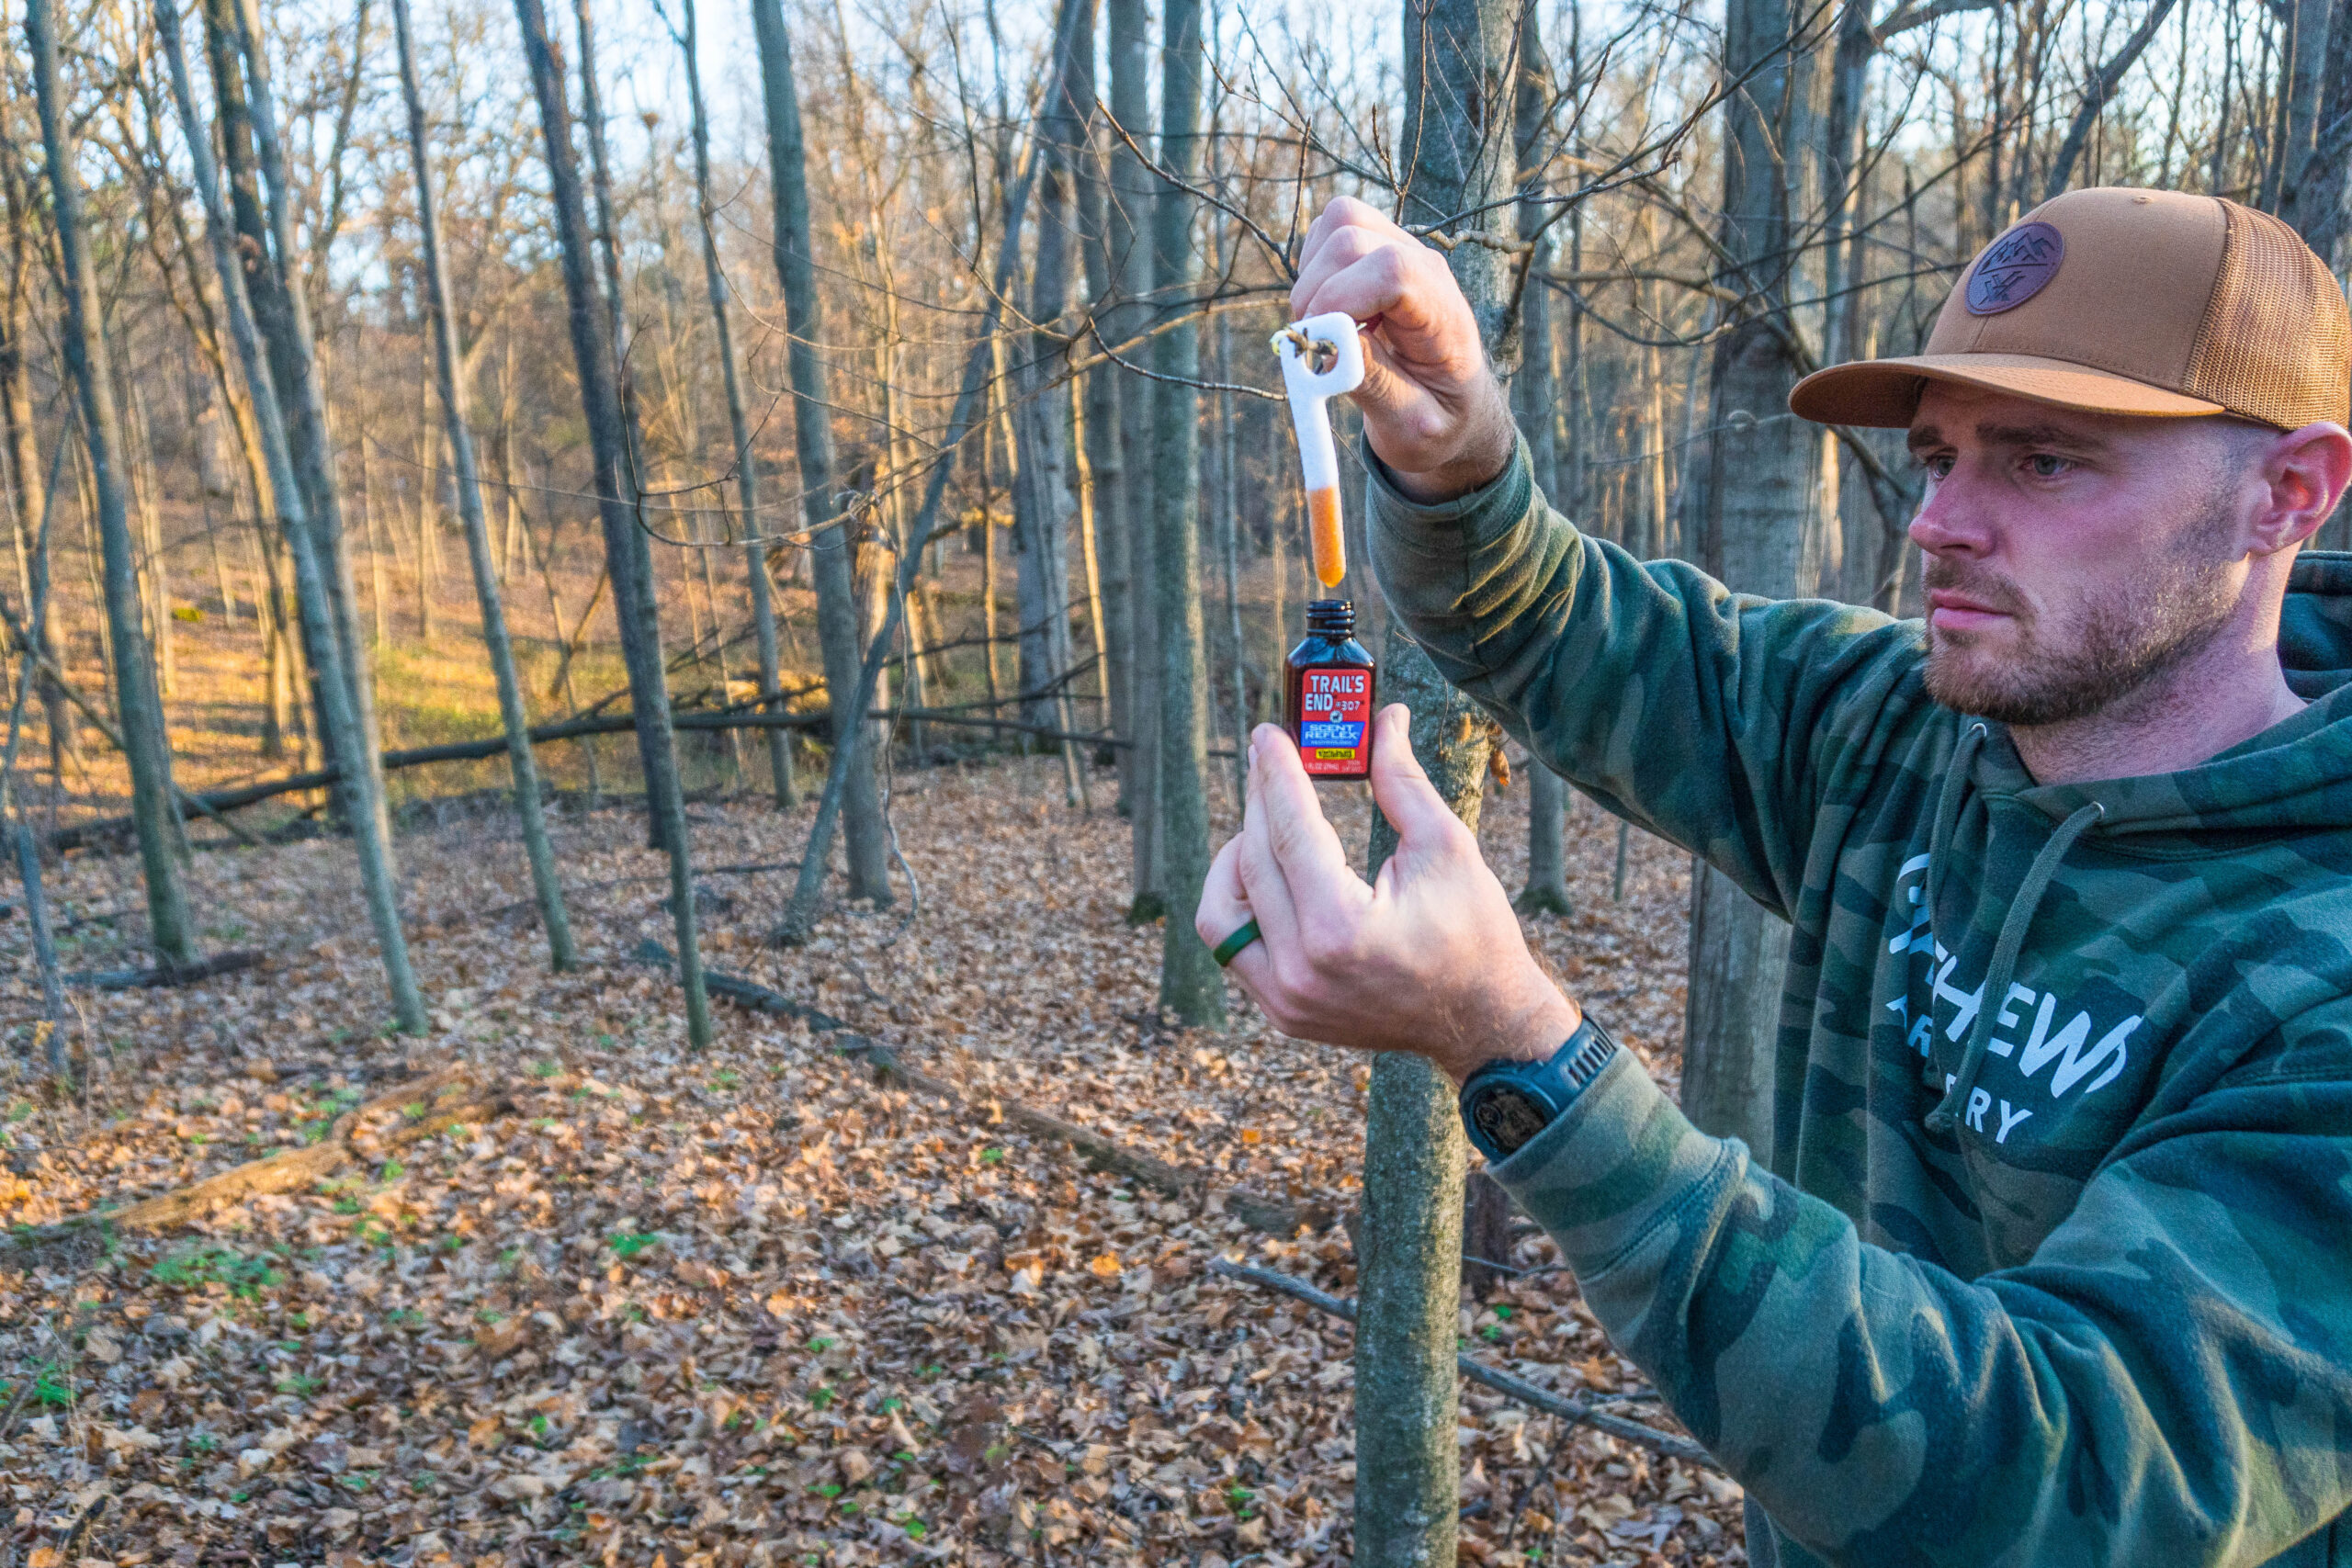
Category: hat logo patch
[2015,268]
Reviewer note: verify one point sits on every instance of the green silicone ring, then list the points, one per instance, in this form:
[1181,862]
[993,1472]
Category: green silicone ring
[1230,948]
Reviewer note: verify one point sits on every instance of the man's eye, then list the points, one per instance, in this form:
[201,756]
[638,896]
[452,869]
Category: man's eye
[1938,467]
[2046,466]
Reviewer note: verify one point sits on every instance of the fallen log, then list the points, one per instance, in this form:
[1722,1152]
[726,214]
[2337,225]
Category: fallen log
[415,1110]
[1580,1412]
[190,806]
[229,963]
[1252,1209]
[212,802]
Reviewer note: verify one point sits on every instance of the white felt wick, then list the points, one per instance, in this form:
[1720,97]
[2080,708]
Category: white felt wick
[1311,391]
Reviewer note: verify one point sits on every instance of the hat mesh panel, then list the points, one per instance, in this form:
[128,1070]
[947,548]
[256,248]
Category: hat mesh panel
[2276,320]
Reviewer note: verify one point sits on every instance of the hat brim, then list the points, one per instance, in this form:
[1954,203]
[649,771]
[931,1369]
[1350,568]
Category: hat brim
[1884,393]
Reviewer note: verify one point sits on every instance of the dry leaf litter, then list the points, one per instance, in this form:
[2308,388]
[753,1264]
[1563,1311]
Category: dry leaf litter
[747,1305]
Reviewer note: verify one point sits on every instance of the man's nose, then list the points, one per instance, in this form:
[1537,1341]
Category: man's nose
[1947,522]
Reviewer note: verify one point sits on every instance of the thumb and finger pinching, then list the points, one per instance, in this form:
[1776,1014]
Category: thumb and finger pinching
[1402,788]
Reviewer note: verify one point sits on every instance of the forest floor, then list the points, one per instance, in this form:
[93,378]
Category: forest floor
[637,1305]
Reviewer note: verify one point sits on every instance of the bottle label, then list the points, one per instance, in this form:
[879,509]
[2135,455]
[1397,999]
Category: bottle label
[1334,716]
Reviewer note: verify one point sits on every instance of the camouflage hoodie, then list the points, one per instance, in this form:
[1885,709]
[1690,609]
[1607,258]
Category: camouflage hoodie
[2053,1262]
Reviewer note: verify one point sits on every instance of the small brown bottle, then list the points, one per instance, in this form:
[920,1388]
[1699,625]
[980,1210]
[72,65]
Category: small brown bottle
[1329,686]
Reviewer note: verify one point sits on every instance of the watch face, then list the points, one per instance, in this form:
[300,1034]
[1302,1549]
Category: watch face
[1508,1116]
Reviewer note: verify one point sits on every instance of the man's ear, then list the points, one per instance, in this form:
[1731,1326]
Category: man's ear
[2305,473]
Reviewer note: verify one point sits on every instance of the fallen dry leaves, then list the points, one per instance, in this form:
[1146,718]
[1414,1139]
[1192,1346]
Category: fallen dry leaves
[645,1306]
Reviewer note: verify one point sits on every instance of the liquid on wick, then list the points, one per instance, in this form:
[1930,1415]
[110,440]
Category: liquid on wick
[1329,545]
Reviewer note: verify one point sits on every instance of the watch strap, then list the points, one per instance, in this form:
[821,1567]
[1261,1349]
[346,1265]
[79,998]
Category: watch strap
[1552,1085]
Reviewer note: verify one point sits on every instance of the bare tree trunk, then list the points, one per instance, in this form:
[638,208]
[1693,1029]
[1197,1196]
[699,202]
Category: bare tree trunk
[636,597]
[24,457]
[1089,550]
[865,835]
[1486,1232]
[1459,61]
[1126,235]
[1755,517]
[512,712]
[591,349]
[747,477]
[2314,200]
[1045,501]
[155,590]
[137,702]
[1191,984]
[333,682]
[1106,473]
[44,944]
[1228,544]
[249,128]
[1532,388]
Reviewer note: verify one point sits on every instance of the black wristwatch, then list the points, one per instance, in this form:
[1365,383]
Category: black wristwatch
[1505,1104]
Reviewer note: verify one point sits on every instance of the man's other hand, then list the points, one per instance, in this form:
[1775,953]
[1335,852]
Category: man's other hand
[1428,959]
[1432,410]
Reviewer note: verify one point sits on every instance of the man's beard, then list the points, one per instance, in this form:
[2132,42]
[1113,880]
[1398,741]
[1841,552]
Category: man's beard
[2147,624]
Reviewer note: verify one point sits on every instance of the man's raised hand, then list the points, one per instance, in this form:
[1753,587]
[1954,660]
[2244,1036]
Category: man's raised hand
[1426,958]
[1432,407]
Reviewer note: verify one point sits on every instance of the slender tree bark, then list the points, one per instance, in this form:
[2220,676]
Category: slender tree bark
[1754,514]
[1191,984]
[591,349]
[1532,388]
[1842,146]
[338,712]
[865,837]
[1045,500]
[16,417]
[1459,61]
[250,135]
[747,474]
[636,592]
[1548,800]
[170,929]
[1126,240]
[2314,201]
[1105,450]
[1228,544]
[154,587]
[44,944]
[512,711]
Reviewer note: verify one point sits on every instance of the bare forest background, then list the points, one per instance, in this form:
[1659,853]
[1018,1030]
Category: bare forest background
[821,466]
[1919,132]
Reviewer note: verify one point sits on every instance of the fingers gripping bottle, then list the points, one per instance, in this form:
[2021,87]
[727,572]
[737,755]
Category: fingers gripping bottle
[1329,677]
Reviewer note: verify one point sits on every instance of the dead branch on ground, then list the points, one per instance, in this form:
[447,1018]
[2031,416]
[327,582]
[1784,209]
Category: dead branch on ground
[1578,1411]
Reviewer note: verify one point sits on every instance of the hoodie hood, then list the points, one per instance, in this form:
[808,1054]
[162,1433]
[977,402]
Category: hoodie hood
[2293,777]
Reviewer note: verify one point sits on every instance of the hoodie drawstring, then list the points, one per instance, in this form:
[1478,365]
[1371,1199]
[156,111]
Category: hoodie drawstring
[1945,1117]
[1964,761]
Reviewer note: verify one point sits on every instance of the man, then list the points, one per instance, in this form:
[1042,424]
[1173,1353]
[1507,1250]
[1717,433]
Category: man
[2054,1260]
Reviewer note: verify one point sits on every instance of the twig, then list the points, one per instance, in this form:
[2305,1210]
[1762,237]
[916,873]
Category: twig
[1582,1412]
[1254,1210]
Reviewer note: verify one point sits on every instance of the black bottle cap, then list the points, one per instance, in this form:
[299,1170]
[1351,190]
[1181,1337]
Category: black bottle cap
[1331,617]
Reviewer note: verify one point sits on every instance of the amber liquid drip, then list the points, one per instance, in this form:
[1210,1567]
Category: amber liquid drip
[1329,545]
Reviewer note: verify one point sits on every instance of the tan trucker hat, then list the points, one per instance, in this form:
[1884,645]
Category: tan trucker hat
[2126,301]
